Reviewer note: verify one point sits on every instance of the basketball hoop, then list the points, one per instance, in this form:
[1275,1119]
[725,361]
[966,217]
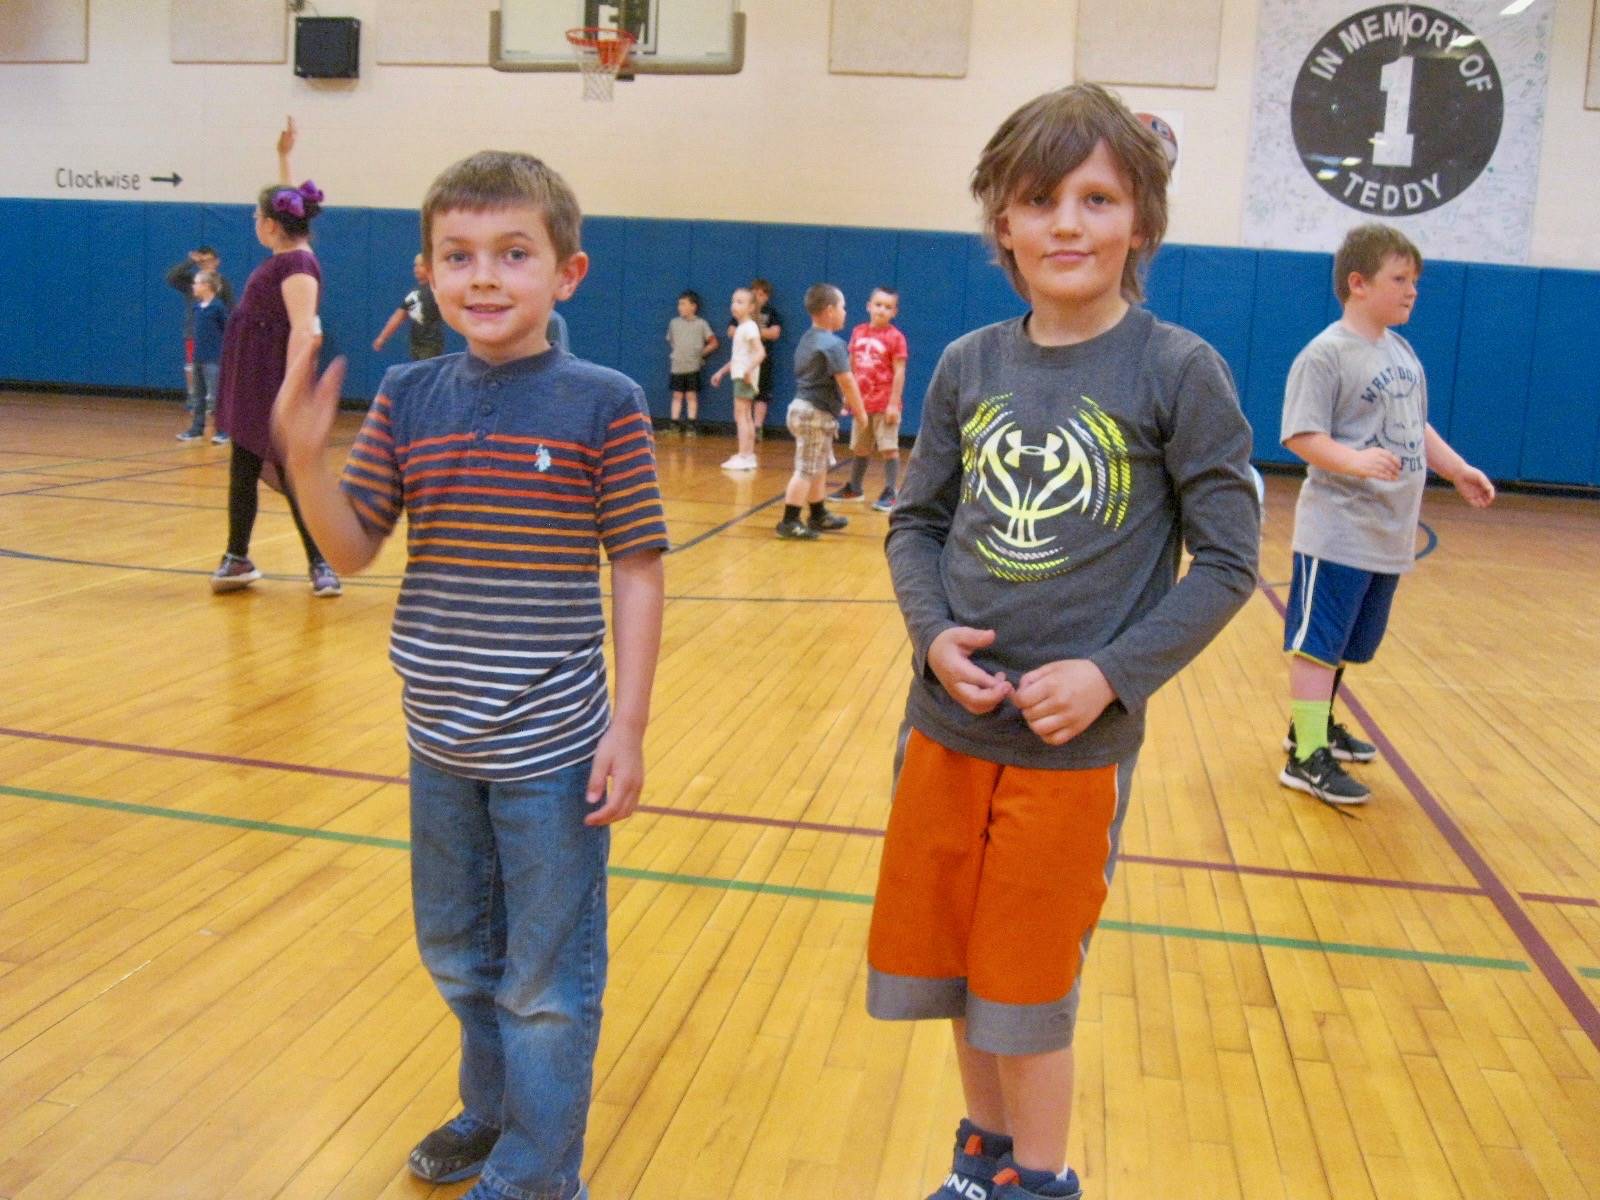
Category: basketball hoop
[601,53]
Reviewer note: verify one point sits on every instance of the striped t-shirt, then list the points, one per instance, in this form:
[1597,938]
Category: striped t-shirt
[512,478]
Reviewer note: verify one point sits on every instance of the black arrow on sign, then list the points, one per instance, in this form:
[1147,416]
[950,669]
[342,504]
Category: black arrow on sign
[174,179]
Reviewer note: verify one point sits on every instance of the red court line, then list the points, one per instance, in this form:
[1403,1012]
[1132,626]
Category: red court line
[691,814]
[1544,957]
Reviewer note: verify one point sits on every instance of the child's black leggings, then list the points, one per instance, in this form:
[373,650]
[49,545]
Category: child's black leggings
[244,472]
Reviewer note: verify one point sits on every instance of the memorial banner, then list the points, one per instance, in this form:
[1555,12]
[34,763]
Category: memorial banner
[1424,116]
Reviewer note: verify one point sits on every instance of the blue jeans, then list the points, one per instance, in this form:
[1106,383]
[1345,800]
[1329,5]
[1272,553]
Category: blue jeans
[202,393]
[509,890]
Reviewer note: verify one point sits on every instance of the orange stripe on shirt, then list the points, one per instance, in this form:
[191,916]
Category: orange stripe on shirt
[591,568]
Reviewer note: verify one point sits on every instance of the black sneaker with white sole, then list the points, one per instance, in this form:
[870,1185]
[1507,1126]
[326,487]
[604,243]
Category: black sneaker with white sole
[1321,776]
[1344,745]
[455,1151]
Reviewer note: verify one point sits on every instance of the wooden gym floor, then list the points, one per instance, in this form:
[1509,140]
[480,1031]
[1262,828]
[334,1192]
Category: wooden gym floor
[208,987]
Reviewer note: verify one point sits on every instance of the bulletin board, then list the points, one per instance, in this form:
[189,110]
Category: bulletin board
[434,32]
[229,31]
[1151,43]
[900,37]
[44,31]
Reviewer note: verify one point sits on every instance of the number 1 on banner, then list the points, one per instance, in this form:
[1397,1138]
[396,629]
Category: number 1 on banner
[1392,145]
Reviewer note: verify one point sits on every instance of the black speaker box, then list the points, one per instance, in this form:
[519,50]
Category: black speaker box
[327,47]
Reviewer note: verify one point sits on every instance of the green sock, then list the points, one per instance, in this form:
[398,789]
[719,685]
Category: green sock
[1310,726]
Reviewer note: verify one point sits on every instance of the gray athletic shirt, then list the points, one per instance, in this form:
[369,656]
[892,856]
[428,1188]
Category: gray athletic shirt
[1361,394]
[1047,498]
[817,359]
[688,343]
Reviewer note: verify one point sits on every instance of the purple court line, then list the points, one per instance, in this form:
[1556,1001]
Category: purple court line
[785,823]
[1544,957]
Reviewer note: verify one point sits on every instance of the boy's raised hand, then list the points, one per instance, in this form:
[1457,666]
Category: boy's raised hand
[1062,699]
[303,413]
[1475,487]
[619,759]
[950,658]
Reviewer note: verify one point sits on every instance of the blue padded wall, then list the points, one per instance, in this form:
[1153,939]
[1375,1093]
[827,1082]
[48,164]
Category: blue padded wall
[1493,363]
[1281,323]
[1561,432]
[1218,303]
[1434,331]
[931,272]
[1513,364]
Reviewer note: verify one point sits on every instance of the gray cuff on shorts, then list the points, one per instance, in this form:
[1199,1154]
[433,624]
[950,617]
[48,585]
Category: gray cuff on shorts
[991,1027]
[910,998]
[1022,1028]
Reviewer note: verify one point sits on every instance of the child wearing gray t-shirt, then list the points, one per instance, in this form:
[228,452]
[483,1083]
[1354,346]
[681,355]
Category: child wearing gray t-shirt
[691,342]
[1356,409]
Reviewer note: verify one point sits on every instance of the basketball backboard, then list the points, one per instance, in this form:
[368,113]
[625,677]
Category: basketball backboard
[673,37]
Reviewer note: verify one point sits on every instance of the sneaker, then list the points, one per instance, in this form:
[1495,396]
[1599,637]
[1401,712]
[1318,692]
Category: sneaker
[691,431]
[827,522]
[1008,1184]
[884,502]
[798,531]
[1346,746]
[323,581]
[972,1171]
[189,435]
[233,573]
[1321,776]
[847,492]
[741,462]
[219,439]
[455,1151]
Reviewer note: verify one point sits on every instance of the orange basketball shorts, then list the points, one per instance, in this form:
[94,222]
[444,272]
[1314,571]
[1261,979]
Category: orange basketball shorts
[992,881]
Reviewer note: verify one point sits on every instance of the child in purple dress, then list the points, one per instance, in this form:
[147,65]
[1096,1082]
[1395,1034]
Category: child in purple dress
[276,317]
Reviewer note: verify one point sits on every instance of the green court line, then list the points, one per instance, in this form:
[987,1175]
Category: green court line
[800,893]
[1589,972]
[180,814]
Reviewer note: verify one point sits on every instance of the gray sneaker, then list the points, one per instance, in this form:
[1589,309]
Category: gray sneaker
[1323,777]
[323,581]
[1344,745]
[233,573]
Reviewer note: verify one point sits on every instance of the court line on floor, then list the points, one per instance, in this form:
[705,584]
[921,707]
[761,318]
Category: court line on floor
[1543,955]
[790,891]
[1456,889]
[392,582]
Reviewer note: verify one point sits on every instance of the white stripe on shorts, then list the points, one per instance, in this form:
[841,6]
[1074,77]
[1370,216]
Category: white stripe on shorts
[1306,591]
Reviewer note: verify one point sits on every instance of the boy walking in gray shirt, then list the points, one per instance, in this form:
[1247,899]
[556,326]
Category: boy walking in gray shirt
[1356,409]
[1063,460]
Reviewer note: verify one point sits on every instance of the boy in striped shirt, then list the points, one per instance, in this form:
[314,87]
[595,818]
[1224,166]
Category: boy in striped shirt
[515,463]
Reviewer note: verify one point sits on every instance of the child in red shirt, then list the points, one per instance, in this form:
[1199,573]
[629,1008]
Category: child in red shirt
[878,361]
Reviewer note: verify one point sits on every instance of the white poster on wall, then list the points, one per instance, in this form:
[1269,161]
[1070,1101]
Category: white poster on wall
[1424,116]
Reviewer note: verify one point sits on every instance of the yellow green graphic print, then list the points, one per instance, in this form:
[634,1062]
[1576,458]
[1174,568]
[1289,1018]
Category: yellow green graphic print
[1028,482]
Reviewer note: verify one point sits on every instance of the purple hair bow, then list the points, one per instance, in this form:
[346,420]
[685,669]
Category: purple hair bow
[293,200]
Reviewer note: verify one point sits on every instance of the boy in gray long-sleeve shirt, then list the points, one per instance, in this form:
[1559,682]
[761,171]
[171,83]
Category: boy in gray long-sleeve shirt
[1063,460]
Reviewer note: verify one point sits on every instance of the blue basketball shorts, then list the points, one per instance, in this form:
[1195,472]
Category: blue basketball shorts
[1337,614]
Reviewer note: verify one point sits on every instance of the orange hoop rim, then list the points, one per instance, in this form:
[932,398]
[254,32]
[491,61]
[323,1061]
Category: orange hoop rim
[609,45]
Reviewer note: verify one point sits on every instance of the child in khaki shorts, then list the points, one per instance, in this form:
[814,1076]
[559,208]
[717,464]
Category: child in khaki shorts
[1063,460]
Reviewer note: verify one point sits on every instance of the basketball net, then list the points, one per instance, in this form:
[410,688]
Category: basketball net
[601,53]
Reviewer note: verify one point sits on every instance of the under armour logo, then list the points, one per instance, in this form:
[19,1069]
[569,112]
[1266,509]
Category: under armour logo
[1050,452]
[968,1189]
